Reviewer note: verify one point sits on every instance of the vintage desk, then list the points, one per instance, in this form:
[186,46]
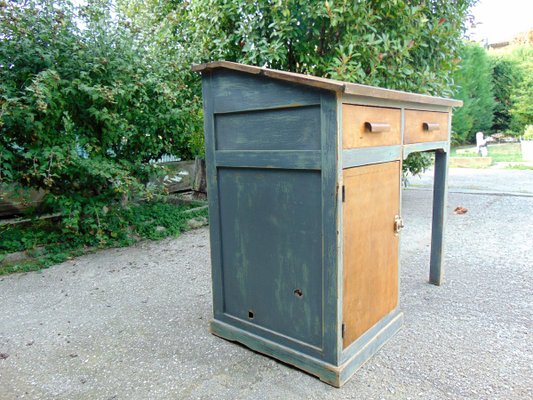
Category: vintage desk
[304,209]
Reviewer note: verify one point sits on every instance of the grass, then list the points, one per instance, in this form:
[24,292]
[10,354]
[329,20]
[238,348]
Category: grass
[504,152]
[46,243]
[519,166]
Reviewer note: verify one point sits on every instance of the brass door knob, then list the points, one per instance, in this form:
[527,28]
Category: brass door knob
[398,224]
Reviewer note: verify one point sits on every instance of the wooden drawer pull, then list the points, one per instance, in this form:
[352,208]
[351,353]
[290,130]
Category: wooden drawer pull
[377,127]
[429,127]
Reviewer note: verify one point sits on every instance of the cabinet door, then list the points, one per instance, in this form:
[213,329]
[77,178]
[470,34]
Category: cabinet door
[370,246]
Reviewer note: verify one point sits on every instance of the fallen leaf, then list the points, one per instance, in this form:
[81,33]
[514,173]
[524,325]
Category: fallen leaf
[460,210]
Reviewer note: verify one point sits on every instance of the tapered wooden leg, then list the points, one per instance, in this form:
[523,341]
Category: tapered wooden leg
[440,189]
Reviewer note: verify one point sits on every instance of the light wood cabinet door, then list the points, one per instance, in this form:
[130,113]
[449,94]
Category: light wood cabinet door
[370,246]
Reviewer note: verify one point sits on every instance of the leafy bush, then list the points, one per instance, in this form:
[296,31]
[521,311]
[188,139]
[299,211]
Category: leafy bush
[84,110]
[88,95]
[528,133]
[474,87]
[522,96]
[47,242]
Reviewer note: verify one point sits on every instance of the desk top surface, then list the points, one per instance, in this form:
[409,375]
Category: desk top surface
[330,84]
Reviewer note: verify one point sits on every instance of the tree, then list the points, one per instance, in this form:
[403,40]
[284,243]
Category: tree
[474,85]
[506,74]
[522,97]
[86,102]
[398,44]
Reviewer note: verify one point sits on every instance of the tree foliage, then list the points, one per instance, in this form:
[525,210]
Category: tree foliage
[88,95]
[86,102]
[506,74]
[522,97]
[397,44]
[474,87]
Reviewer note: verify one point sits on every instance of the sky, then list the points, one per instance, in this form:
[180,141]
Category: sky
[501,20]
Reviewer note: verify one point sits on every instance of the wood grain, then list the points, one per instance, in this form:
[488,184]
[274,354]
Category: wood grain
[414,132]
[354,133]
[370,247]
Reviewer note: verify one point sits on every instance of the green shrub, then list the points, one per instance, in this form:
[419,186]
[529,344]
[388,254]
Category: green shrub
[86,102]
[474,87]
[506,74]
[522,96]
[528,133]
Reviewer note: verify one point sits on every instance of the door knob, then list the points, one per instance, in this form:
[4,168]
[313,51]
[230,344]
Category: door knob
[398,224]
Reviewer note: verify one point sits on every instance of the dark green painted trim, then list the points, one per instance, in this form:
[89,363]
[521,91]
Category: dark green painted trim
[429,146]
[368,349]
[329,373]
[286,159]
[270,335]
[436,270]
[368,336]
[212,190]
[323,370]
[328,128]
[370,155]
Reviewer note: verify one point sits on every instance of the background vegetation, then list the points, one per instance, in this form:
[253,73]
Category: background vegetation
[497,90]
[91,94]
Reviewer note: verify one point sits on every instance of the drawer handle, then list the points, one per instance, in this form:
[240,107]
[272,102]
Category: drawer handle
[377,127]
[428,126]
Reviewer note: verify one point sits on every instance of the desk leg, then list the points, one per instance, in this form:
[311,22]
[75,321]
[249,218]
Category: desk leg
[440,189]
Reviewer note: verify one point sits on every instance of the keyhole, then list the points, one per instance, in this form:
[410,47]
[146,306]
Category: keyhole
[250,314]
[298,293]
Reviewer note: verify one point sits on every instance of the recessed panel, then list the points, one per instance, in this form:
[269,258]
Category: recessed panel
[286,129]
[370,246]
[272,250]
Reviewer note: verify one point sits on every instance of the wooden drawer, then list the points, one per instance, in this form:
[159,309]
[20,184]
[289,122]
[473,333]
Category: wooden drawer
[425,126]
[370,126]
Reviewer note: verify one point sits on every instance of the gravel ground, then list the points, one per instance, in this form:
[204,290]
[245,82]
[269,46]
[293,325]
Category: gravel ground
[132,323]
[489,180]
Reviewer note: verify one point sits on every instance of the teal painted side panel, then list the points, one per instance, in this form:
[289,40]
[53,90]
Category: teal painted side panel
[271,229]
[233,91]
[283,129]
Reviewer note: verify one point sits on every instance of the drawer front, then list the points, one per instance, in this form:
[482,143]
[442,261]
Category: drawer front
[425,126]
[370,126]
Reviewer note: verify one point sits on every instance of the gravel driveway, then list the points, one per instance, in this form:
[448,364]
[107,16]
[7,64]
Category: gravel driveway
[132,323]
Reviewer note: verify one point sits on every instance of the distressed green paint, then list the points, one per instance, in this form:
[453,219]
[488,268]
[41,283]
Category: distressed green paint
[237,92]
[264,258]
[286,159]
[283,129]
[328,128]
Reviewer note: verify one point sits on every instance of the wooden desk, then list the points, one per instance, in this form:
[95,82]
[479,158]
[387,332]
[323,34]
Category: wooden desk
[304,178]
